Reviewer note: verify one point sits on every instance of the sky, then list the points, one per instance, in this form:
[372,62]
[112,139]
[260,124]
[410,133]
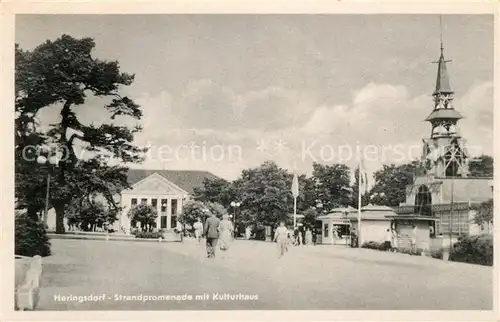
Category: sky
[227,92]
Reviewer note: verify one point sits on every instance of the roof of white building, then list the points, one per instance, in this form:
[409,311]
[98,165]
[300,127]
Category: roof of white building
[373,212]
[187,180]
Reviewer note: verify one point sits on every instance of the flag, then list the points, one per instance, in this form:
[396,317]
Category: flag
[363,176]
[295,186]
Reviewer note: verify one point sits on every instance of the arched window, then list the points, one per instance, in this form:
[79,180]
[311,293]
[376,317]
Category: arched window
[423,201]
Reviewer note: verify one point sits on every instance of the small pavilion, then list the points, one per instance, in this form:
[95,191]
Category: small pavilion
[337,220]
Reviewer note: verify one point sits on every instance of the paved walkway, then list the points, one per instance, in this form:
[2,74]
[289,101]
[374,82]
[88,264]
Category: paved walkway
[314,277]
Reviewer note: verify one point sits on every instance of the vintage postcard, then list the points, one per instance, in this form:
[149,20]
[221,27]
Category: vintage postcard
[258,161]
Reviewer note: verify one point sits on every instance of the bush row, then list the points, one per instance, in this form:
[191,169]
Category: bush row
[477,249]
[148,234]
[380,246]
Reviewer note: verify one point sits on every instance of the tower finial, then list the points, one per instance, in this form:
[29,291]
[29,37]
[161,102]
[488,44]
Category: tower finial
[441,32]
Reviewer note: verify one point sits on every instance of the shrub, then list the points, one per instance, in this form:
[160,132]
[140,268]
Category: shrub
[477,249]
[437,253]
[409,251]
[30,237]
[372,245]
[148,234]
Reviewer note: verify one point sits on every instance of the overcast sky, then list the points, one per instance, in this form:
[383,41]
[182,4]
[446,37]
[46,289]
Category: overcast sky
[294,89]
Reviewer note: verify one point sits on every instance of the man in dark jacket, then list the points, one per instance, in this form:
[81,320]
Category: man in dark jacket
[211,234]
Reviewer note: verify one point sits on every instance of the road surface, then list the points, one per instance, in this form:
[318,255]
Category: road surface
[178,276]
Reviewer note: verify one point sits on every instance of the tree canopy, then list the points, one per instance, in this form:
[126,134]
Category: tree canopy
[390,184]
[484,214]
[193,210]
[64,73]
[331,184]
[143,214]
[482,167]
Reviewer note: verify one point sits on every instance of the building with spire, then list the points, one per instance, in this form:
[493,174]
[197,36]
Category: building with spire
[444,195]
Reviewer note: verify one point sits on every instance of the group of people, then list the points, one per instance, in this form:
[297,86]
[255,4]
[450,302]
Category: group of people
[217,232]
[283,237]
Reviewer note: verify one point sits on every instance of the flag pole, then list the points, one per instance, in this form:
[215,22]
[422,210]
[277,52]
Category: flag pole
[295,193]
[294,212]
[359,204]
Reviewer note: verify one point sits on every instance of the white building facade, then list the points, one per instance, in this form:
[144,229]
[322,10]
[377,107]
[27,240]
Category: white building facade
[165,190]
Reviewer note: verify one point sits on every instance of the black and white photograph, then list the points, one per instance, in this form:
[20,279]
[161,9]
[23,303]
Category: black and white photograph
[253,162]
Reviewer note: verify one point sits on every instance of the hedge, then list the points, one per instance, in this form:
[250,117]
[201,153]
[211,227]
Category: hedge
[372,245]
[30,237]
[380,246]
[148,234]
[477,249]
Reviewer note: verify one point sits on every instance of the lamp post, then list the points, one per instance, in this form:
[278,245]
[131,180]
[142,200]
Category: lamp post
[235,205]
[52,161]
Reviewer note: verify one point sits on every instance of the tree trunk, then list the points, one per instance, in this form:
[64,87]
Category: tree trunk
[59,208]
[32,213]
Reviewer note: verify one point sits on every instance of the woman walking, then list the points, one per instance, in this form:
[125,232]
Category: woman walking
[309,237]
[226,232]
[198,230]
[281,236]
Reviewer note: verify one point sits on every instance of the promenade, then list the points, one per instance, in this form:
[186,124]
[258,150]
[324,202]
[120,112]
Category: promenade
[312,277]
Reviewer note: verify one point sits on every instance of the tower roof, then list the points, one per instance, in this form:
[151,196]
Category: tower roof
[441,114]
[442,80]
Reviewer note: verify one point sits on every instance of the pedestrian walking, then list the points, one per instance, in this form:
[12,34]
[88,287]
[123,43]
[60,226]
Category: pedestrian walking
[281,237]
[198,230]
[211,231]
[248,232]
[309,237]
[226,230]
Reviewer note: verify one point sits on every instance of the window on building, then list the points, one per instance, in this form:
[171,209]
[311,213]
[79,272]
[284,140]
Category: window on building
[144,201]
[133,202]
[326,230]
[174,206]
[164,205]
[154,203]
[173,221]
[163,222]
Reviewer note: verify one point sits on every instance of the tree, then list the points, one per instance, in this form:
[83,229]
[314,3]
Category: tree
[482,167]
[193,210]
[89,213]
[265,195]
[143,214]
[217,209]
[484,214]
[332,185]
[310,216]
[390,184]
[64,73]
[216,190]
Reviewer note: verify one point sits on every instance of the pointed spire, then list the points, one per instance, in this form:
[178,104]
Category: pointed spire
[442,80]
